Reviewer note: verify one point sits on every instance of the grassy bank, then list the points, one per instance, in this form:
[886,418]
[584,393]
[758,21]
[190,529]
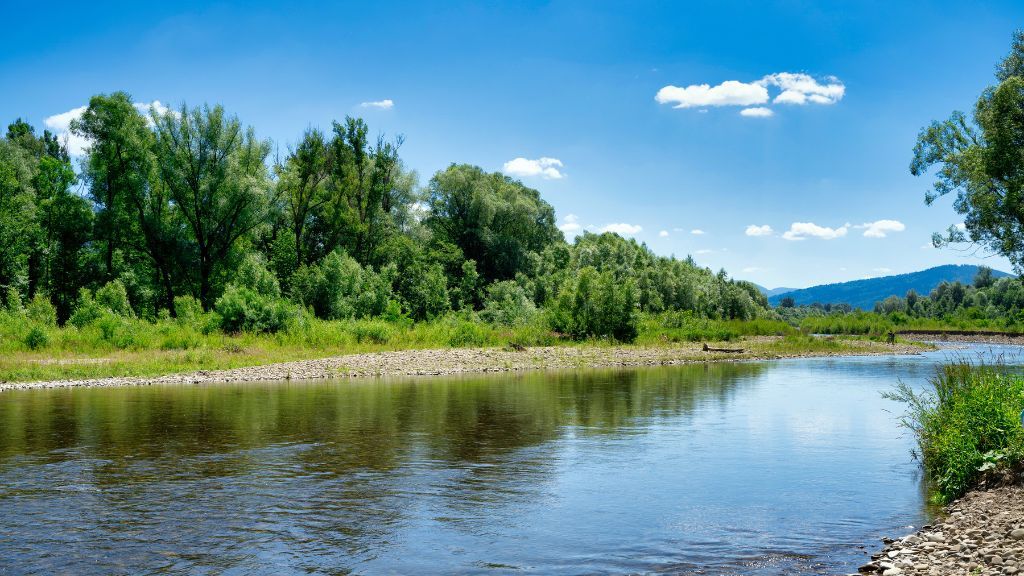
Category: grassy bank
[875,324]
[967,425]
[119,346]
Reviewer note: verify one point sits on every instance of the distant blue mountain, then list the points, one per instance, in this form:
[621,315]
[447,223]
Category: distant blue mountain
[769,292]
[864,293]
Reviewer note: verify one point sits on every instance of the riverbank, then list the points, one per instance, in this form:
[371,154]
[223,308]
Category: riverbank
[478,360]
[965,337]
[980,534]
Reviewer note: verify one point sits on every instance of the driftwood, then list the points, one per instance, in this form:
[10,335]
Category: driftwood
[732,350]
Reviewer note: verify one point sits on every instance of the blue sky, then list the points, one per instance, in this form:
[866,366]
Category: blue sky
[570,90]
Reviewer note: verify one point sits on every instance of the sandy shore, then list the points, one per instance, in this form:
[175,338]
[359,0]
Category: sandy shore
[982,533]
[475,360]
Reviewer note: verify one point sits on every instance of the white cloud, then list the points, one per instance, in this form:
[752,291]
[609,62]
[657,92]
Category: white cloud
[802,230]
[750,269]
[755,230]
[547,168]
[60,124]
[882,270]
[663,234]
[880,228]
[800,88]
[758,112]
[386,104]
[622,229]
[728,93]
[704,251]
[795,88]
[961,226]
[570,224]
[697,232]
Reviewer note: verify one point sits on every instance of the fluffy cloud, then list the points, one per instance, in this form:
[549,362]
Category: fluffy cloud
[622,229]
[570,224]
[386,104]
[704,251]
[728,93]
[697,232]
[880,228]
[795,88]
[60,124]
[803,88]
[755,230]
[802,230]
[663,234]
[547,168]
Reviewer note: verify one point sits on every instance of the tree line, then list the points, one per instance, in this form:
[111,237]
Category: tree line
[185,209]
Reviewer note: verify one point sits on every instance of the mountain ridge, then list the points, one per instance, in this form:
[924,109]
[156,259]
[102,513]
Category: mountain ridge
[864,293]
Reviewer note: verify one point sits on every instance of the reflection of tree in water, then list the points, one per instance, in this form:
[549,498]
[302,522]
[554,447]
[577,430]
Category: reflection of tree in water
[332,467]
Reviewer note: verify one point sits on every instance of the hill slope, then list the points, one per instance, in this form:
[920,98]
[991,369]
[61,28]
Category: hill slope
[864,293]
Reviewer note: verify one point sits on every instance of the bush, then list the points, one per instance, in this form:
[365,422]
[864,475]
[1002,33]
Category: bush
[241,309]
[41,311]
[372,331]
[36,338]
[507,304]
[339,288]
[594,304]
[967,425]
[114,297]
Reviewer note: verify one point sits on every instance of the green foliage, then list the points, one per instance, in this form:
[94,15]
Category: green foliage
[41,311]
[36,338]
[339,288]
[978,160]
[507,303]
[494,220]
[595,304]
[967,424]
[242,309]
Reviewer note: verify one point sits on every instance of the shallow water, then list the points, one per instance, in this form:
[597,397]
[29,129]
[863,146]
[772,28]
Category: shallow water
[790,466]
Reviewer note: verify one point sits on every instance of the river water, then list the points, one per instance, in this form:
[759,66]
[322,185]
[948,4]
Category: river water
[792,466]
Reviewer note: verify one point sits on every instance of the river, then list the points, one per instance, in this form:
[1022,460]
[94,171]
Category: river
[791,466]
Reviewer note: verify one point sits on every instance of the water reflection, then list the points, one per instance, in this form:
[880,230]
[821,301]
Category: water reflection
[729,468]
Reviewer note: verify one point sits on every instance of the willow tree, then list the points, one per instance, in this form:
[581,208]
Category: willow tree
[980,160]
[215,175]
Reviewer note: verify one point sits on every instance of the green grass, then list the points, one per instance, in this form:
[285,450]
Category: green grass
[34,349]
[967,425]
[870,323]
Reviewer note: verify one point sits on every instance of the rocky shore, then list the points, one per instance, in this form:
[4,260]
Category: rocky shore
[450,361]
[980,534]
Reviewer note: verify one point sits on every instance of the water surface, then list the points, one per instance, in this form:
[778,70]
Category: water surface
[753,468]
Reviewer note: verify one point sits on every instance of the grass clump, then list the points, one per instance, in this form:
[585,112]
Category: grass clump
[967,425]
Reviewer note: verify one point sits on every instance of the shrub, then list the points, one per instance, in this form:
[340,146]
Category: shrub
[967,425]
[241,309]
[339,288]
[41,311]
[593,303]
[114,297]
[36,338]
[372,331]
[507,304]
[466,333]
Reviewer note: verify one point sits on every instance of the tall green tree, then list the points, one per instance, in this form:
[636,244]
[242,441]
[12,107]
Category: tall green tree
[66,222]
[303,182]
[492,218]
[981,161]
[19,227]
[117,168]
[215,174]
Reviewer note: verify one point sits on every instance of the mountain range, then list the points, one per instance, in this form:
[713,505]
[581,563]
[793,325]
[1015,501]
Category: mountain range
[864,293]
